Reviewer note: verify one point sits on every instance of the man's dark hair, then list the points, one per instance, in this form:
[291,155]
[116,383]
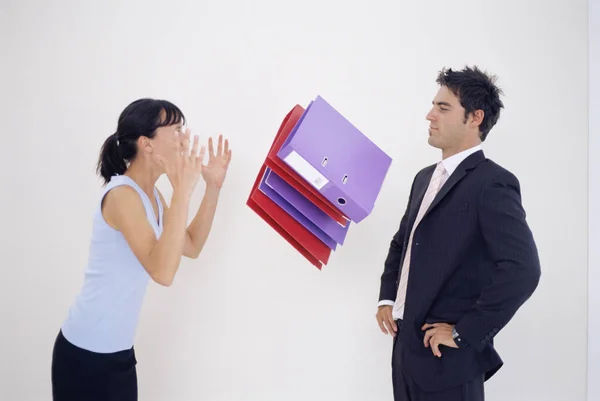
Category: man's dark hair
[476,90]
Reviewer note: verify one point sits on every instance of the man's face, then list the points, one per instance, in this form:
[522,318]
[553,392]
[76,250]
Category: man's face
[448,127]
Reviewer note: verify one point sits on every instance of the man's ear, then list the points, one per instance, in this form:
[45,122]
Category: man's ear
[476,118]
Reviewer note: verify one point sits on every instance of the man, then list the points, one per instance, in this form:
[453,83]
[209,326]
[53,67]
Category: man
[464,259]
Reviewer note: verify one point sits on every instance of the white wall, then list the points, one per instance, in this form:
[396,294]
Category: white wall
[594,211]
[251,320]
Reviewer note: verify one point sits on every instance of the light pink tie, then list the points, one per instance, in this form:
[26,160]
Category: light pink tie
[438,179]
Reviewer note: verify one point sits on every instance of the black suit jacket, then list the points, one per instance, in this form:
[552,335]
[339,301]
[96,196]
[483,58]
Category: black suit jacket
[474,262]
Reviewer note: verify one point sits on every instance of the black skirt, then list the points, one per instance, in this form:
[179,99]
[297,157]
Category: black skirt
[79,374]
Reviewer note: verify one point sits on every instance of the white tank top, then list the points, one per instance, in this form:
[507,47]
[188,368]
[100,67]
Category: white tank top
[105,313]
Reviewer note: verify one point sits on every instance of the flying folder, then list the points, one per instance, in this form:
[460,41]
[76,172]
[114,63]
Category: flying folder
[320,174]
[341,162]
[305,242]
[293,177]
[306,208]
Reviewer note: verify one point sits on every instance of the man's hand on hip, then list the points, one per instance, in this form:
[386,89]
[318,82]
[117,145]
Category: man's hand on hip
[438,334]
[386,321]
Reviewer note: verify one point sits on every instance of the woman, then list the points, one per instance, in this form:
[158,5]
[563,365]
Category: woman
[135,237]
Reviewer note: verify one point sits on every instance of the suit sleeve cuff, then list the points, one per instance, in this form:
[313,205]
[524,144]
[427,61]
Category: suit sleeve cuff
[477,332]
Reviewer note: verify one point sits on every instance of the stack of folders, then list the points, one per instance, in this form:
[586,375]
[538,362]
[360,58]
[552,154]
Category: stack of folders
[320,175]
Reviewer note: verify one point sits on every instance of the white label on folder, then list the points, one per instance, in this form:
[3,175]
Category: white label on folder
[306,170]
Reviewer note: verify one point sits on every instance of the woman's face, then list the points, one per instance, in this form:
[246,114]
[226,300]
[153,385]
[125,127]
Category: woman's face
[166,139]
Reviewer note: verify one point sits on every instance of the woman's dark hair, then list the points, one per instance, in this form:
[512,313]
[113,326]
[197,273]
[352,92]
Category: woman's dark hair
[140,118]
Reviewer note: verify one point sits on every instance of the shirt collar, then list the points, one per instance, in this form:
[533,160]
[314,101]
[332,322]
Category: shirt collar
[452,162]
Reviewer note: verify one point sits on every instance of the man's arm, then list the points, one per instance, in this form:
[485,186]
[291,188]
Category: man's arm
[391,271]
[387,291]
[517,270]
[388,288]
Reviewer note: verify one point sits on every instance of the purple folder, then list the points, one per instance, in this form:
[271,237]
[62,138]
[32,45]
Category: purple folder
[292,211]
[328,225]
[337,159]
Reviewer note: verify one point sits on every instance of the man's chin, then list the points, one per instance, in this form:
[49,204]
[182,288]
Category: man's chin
[432,142]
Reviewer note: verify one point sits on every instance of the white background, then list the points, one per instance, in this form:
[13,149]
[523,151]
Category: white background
[250,319]
[593,373]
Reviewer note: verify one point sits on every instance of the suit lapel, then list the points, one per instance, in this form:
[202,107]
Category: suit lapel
[419,195]
[461,171]
[450,183]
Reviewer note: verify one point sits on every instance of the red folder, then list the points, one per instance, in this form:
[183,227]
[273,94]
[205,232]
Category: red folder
[294,179]
[305,242]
